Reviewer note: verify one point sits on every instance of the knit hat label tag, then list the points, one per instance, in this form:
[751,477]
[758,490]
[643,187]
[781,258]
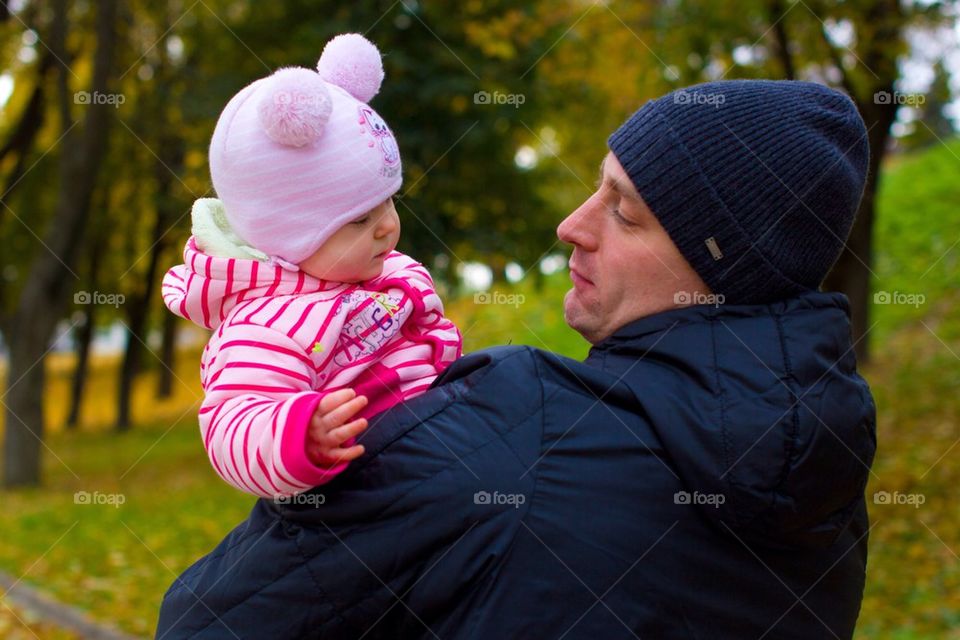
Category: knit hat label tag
[714,248]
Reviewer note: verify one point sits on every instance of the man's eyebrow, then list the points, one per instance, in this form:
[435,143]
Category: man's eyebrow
[623,189]
[600,177]
[618,185]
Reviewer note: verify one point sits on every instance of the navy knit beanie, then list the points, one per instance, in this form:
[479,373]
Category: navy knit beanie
[756,181]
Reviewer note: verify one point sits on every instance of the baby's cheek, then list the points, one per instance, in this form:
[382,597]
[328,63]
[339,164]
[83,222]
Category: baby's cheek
[375,270]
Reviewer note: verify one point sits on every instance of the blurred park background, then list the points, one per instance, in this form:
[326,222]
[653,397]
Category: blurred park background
[501,110]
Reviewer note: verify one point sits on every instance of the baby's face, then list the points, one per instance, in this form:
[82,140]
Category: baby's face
[357,250]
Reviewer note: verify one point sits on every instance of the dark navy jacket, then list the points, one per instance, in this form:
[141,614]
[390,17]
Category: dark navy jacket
[700,475]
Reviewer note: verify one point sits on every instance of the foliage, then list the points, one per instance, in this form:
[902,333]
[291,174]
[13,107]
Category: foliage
[917,235]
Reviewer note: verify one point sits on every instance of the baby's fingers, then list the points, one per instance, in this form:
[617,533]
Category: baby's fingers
[338,436]
[345,455]
[323,422]
[333,400]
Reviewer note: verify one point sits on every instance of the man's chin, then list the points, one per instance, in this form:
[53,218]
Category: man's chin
[576,316]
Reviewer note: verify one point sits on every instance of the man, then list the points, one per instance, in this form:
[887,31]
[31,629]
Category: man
[700,475]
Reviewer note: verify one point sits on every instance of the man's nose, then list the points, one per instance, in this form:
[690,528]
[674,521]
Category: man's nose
[576,228]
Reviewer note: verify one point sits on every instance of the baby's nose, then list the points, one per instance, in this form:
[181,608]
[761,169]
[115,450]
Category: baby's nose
[389,224]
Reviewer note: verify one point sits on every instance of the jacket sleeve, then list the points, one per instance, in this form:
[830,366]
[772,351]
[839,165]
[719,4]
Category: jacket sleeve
[451,473]
[446,479]
[258,402]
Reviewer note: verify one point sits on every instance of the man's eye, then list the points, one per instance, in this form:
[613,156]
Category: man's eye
[615,212]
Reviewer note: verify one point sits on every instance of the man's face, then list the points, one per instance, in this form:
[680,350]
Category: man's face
[624,265]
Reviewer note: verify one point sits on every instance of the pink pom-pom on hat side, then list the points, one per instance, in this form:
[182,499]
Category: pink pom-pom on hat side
[295,106]
[353,63]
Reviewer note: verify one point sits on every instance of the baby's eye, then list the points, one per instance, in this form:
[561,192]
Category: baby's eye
[361,221]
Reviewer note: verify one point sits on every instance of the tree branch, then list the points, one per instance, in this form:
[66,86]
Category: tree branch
[846,81]
[777,16]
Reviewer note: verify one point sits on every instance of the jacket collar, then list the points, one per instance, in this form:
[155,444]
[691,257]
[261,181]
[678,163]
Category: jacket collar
[642,330]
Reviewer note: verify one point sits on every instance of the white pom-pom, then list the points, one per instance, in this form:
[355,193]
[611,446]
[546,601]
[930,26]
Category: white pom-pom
[295,106]
[352,62]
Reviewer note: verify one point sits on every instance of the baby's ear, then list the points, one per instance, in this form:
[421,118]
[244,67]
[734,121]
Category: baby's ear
[353,63]
[295,106]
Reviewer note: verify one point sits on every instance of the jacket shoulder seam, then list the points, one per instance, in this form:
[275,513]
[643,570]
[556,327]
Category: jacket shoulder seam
[791,442]
[721,399]
[452,398]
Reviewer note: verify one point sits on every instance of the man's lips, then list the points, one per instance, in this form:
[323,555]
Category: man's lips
[579,279]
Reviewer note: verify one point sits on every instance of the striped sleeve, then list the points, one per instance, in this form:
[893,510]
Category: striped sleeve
[174,290]
[258,402]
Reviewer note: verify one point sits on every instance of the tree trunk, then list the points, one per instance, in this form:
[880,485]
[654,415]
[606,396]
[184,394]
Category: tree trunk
[851,274]
[169,160]
[79,381]
[47,285]
[24,409]
[877,52]
[85,335]
[168,355]
[20,143]
[138,310]
[775,14]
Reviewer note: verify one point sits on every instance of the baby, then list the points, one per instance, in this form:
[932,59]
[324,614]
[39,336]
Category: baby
[316,316]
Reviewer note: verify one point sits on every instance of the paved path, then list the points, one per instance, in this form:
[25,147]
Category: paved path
[51,611]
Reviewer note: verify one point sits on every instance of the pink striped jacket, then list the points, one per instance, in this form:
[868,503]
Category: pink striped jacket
[283,339]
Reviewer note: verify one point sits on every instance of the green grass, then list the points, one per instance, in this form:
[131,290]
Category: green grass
[116,562]
[916,237]
[913,577]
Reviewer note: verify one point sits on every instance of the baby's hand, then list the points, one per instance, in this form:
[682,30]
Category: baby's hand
[329,428]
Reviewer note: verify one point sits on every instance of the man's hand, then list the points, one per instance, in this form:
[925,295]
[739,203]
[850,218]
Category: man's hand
[329,428]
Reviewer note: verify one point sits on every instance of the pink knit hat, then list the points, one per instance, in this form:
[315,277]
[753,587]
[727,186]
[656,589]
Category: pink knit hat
[298,154]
